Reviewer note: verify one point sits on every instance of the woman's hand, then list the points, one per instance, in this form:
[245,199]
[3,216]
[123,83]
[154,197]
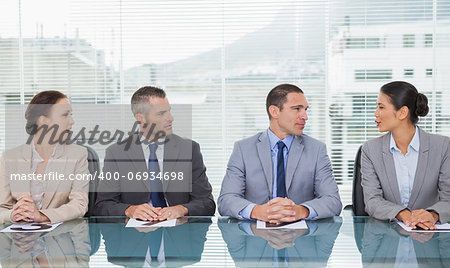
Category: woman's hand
[26,210]
[22,211]
[423,218]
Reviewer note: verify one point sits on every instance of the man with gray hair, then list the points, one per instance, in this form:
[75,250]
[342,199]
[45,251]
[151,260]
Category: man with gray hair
[168,178]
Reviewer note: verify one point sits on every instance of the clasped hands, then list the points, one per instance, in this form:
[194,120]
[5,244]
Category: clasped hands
[279,238]
[419,218]
[279,210]
[148,213]
[26,211]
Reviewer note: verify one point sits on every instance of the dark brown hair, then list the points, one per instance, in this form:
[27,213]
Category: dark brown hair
[277,96]
[404,94]
[40,105]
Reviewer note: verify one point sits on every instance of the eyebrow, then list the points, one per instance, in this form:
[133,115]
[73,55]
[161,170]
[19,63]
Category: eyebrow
[379,103]
[299,106]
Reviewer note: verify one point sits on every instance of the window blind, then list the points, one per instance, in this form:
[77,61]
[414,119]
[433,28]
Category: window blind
[223,57]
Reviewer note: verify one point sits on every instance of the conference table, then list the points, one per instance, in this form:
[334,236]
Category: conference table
[225,242]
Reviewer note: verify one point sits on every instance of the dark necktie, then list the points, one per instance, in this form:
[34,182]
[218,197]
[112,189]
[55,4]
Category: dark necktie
[155,244]
[281,174]
[157,195]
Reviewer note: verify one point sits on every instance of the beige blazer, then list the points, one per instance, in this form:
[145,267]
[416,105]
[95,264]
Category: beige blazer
[66,246]
[63,199]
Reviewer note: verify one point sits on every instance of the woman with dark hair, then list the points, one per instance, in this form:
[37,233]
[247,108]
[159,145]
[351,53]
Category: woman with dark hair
[406,173]
[38,180]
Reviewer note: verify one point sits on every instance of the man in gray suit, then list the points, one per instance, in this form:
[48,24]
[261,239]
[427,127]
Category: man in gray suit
[280,175]
[161,175]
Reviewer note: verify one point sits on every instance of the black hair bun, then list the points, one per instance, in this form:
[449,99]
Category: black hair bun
[421,105]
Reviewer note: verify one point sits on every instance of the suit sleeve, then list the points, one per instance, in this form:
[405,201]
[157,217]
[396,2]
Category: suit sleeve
[376,205]
[6,200]
[201,201]
[231,200]
[78,197]
[108,201]
[327,202]
[442,207]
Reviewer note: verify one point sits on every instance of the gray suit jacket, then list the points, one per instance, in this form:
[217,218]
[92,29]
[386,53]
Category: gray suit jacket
[431,188]
[310,250]
[309,176]
[380,246]
[180,156]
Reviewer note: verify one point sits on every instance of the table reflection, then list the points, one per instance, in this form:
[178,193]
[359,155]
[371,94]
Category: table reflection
[155,247]
[249,246]
[66,246]
[387,244]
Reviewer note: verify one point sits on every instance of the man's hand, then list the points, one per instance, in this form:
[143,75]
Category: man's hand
[279,210]
[279,238]
[301,212]
[146,229]
[169,213]
[260,212]
[143,212]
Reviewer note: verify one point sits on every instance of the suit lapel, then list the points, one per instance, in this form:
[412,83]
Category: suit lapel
[264,153]
[135,155]
[23,167]
[422,163]
[58,166]
[171,155]
[295,153]
[389,167]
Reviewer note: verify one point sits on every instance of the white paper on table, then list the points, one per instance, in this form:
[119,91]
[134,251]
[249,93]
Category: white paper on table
[133,223]
[33,227]
[295,225]
[440,228]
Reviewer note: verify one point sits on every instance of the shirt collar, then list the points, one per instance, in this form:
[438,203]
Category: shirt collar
[145,142]
[414,144]
[36,157]
[273,139]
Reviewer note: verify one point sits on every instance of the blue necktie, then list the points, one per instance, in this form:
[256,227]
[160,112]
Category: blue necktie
[155,243]
[279,256]
[281,175]
[157,195]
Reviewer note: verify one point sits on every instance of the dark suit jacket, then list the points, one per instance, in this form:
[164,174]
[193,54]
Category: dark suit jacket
[181,156]
[183,244]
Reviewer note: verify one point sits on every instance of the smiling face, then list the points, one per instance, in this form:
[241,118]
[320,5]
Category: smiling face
[291,119]
[159,115]
[60,114]
[386,117]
